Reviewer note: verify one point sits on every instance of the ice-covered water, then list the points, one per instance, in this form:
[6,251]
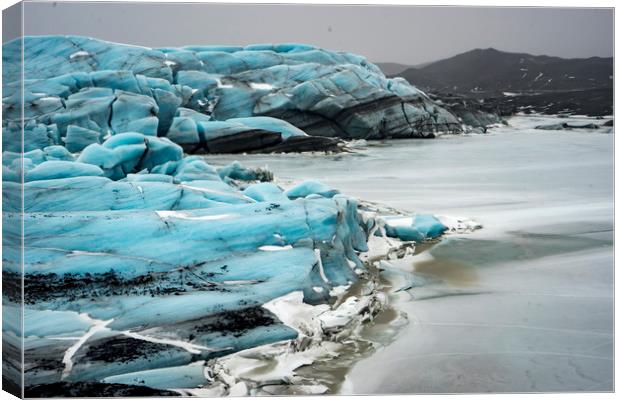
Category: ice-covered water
[524,304]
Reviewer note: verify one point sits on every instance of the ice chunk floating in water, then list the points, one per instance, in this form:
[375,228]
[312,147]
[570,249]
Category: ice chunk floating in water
[417,228]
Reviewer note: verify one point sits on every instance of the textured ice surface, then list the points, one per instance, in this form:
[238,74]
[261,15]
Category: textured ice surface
[138,258]
[79,90]
[417,228]
[175,270]
[141,262]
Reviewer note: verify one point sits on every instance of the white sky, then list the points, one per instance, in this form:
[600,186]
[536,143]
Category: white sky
[407,34]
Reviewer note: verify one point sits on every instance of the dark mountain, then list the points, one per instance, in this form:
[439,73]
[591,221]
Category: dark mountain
[422,79]
[391,68]
[493,71]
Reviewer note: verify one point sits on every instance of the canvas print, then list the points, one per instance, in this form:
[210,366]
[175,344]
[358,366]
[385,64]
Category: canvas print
[273,199]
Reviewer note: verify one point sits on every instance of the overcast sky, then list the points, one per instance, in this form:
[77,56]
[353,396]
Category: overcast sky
[406,34]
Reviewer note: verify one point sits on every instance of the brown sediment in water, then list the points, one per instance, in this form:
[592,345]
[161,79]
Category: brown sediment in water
[384,327]
[385,317]
[449,271]
[332,372]
[378,332]
[378,325]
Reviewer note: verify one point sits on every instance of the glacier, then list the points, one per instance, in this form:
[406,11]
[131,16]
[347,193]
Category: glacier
[209,99]
[163,271]
[141,262]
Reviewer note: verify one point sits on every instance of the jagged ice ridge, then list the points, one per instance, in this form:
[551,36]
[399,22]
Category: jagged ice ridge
[80,91]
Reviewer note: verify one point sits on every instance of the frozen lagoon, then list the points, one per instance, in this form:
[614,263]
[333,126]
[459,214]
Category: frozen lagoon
[523,305]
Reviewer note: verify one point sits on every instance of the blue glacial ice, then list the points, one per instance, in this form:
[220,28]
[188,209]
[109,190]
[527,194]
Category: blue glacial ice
[141,261]
[418,228]
[132,243]
[79,91]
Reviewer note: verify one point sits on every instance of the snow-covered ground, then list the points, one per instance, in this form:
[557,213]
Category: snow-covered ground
[524,304]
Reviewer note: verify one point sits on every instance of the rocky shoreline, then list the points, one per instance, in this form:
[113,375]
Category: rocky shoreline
[480,111]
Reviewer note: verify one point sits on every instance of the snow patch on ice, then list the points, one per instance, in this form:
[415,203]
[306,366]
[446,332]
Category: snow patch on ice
[317,252]
[166,214]
[80,53]
[275,248]
[261,86]
[67,359]
[189,347]
[459,224]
